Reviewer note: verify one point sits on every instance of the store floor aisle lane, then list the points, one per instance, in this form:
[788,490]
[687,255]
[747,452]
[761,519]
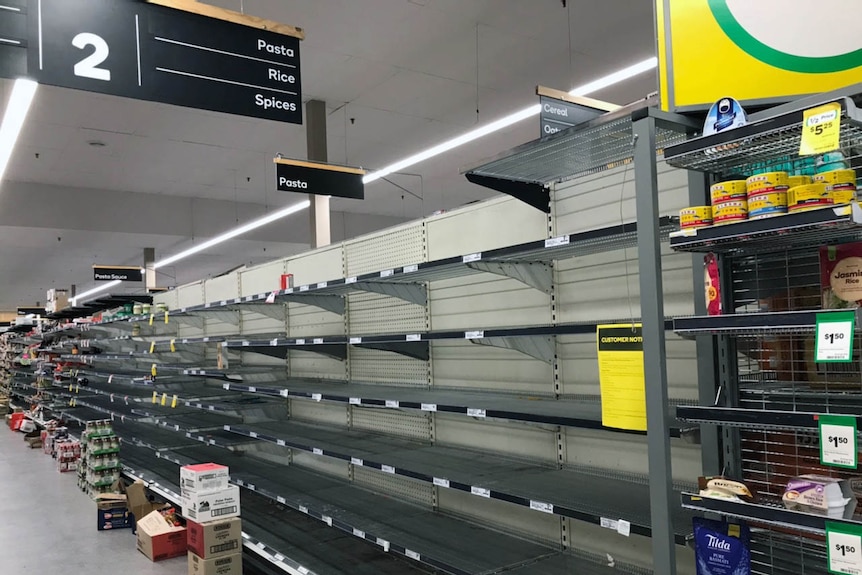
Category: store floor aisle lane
[49,526]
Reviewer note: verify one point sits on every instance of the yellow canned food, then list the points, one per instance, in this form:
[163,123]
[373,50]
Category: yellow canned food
[837,178]
[728,212]
[809,196]
[767,205]
[767,182]
[842,195]
[727,191]
[695,217]
[794,181]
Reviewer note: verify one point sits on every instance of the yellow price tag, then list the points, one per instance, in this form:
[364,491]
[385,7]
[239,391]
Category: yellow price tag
[77,389]
[155,396]
[70,401]
[164,399]
[821,130]
[152,318]
[153,370]
[173,346]
[174,402]
[152,346]
[166,316]
[70,387]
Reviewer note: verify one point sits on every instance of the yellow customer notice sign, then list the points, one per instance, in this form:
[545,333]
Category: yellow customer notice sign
[755,50]
[621,376]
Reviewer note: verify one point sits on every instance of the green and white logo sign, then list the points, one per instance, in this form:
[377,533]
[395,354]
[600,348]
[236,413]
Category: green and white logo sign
[794,35]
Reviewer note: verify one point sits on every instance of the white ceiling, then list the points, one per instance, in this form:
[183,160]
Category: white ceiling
[406,72]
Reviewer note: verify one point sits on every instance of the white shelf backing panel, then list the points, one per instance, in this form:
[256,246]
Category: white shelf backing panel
[308,364]
[384,367]
[329,466]
[634,550]
[541,527]
[319,412]
[626,454]
[529,442]
[466,365]
[392,422]
[217,290]
[394,486]
[579,369]
[486,300]
[377,314]
[307,269]
[393,247]
[189,295]
[483,226]
[262,279]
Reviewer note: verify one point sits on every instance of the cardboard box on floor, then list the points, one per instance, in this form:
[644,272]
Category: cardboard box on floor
[139,505]
[227,565]
[159,540]
[215,538]
[112,512]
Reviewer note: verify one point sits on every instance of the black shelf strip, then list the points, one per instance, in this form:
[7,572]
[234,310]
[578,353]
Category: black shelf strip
[754,323]
[812,228]
[568,493]
[775,515]
[478,405]
[755,418]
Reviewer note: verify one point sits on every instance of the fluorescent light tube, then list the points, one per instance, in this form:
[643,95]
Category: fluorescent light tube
[23,92]
[95,290]
[506,121]
[252,225]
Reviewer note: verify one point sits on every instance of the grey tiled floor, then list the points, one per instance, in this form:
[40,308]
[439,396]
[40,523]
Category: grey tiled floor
[49,526]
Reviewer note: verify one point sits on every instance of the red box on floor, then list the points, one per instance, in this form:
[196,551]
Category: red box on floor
[215,538]
[158,540]
[15,420]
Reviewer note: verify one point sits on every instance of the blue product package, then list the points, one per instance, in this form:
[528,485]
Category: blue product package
[721,548]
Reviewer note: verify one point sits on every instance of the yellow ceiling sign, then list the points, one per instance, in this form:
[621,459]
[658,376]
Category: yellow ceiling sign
[755,51]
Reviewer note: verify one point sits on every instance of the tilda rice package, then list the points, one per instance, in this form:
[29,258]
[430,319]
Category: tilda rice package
[721,548]
[841,275]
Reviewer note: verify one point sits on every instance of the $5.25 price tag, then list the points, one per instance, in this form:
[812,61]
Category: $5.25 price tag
[844,548]
[838,441]
[821,130]
[834,337]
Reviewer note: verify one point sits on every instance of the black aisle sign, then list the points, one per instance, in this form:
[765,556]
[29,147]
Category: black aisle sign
[561,111]
[117,273]
[319,179]
[138,50]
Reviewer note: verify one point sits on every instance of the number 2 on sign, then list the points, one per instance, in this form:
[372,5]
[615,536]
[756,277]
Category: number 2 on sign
[89,66]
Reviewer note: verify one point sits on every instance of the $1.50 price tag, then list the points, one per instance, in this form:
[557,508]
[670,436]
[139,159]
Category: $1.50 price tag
[834,333]
[844,548]
[821,130]
[838,441]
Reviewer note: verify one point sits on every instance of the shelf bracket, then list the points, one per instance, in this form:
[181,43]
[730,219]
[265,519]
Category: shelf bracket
[416,350]
[410,292]
[189,320]
[538,347]
[333,303]
[538,275]
[273,311]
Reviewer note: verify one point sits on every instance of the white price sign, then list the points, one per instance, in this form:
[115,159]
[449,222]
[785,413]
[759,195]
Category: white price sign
[844,547]
[838,446]
[834,333]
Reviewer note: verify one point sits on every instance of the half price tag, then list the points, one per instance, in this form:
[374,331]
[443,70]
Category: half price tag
[834,337]
[821,129]
[844,548]
[838,446]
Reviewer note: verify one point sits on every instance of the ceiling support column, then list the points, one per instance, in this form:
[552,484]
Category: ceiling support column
[315,133]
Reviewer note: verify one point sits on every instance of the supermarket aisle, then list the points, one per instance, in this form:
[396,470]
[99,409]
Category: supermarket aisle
[49,526]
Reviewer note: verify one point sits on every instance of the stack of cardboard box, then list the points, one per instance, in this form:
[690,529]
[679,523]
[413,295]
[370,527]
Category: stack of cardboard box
[100,463]
[157,538]
[211,507]
[68,452]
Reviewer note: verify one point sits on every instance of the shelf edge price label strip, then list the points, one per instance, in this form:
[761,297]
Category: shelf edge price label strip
[821,130]
[834,332]
[838,443]
[844,548]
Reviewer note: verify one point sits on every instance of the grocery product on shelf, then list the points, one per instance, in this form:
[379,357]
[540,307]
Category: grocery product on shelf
[820,495]
[841,276]
[721,548]
[808,197]
[695,217]
[729,212]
